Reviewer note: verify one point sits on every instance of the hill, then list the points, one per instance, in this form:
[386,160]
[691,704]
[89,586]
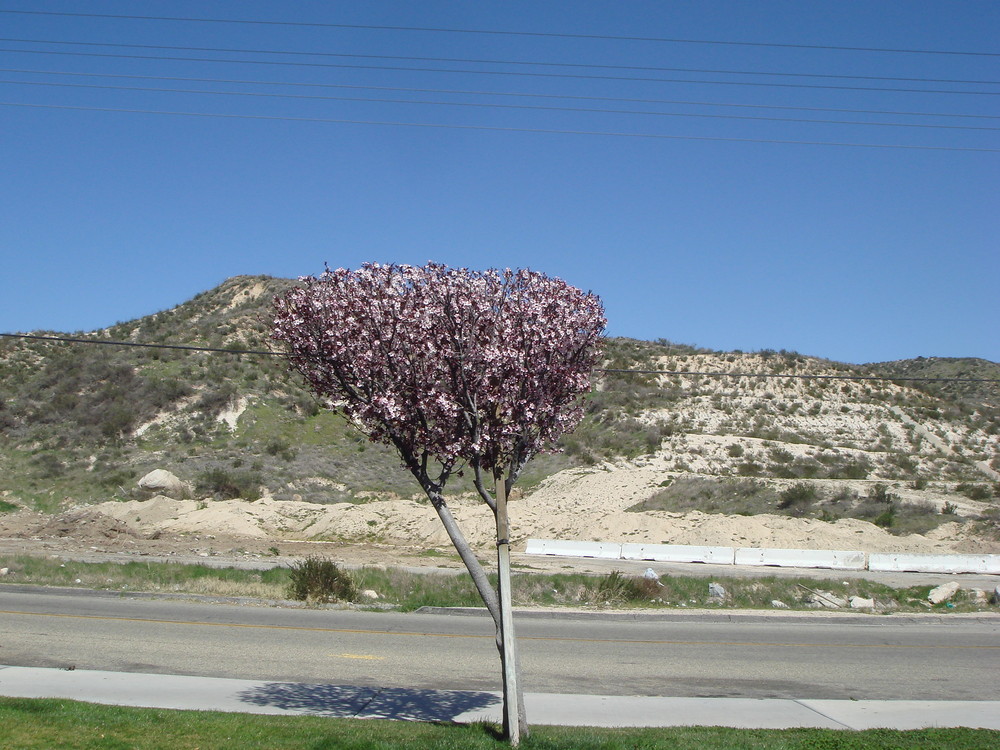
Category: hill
[698,447]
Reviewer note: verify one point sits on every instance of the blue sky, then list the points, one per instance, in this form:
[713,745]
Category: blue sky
[857,254]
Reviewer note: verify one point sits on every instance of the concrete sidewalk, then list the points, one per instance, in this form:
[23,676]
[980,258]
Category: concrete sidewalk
[262,697]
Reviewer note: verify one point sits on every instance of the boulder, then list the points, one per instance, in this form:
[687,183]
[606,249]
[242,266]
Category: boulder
[980,597]
[943,593]
[716,591]
[162,482]
[370,594]
[826,599]
[778,604]
[859,602]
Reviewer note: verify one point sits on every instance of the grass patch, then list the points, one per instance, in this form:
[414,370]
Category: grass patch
[150,577]
[748,497]
[32,724]
[734,496]
[228,485]
[438,553]
[407,591]
[411,591]
[6,507]
[618,590]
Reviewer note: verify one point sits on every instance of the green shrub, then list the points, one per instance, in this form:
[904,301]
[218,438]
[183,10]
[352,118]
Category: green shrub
[216,398]
[974,491]
[614,587]
[317,579]
[229,485]
[799,494]
[880,494]
[857,469]
[279,446]
[780,455]
[617,588]
[48,466]
[886,518]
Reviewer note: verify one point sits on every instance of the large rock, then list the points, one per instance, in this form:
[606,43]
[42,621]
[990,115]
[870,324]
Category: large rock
[980,597]
[162,482]
[943,593]
[826,599]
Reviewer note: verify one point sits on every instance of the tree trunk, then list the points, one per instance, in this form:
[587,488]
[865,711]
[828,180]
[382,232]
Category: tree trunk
[461,545]
[515,724]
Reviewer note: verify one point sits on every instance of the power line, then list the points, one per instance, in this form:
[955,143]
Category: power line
[137,345]
[536,63]
[687,373]
[542,34]
[573,76]
[474,92]
[490,105]
[503,129]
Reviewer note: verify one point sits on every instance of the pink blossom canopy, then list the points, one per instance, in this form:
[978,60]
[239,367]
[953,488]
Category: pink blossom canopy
[458,365]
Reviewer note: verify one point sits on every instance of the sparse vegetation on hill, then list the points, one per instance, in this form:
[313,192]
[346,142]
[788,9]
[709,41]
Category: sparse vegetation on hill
[81,424]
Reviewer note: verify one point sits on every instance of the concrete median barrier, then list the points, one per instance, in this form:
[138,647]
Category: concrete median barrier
[604,550]
[802,558]
[923,563]
[683,553]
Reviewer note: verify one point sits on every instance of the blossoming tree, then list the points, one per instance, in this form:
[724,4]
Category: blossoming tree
[458,370]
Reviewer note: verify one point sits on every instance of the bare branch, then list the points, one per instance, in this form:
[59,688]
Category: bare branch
[481,487]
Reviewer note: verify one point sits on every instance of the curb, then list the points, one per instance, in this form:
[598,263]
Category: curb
[714,615]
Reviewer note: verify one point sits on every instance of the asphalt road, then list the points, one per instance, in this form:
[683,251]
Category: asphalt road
[779,657]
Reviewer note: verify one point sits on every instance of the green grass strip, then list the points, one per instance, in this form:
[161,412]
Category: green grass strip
[407,591]
[33,724]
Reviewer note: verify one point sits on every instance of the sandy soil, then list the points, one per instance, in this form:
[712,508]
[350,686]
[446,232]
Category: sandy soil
[581,504]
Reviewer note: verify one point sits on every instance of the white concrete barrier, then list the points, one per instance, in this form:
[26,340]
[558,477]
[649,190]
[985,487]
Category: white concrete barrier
[924,563]
[802,558]
[683,553]
[786,558]
[605,550]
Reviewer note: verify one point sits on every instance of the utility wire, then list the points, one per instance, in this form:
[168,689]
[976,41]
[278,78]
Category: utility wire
[689,373]
[474,92]
[489,105]
[498,128]
[137,345]
[574,76]
[542,34]
[488,61]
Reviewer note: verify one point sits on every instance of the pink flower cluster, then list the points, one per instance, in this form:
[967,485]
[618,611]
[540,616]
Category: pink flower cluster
[485,367]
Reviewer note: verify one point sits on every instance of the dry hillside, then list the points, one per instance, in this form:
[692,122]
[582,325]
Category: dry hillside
[771,449]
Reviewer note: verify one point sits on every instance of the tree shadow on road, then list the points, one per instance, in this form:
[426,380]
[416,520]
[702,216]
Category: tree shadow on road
[345,701]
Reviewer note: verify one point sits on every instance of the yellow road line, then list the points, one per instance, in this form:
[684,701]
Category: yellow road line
[637,642]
